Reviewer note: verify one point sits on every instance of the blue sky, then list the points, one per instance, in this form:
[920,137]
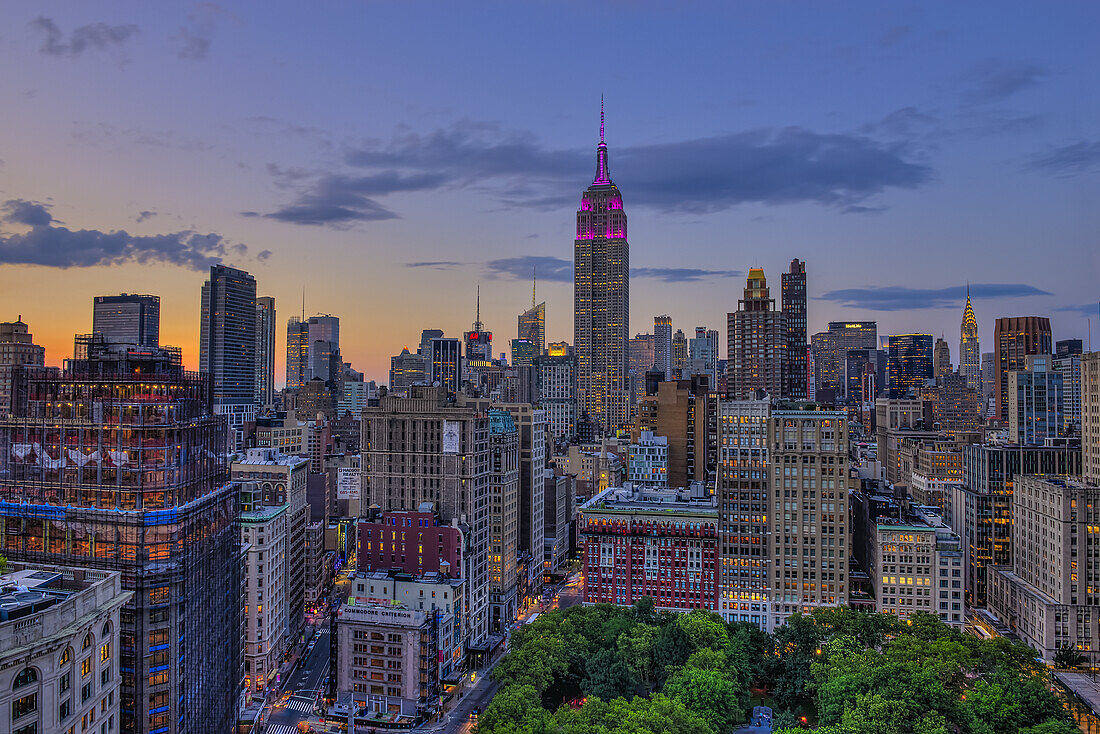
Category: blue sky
[387,156]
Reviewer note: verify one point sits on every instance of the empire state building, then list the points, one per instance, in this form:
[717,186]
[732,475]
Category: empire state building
[601,299]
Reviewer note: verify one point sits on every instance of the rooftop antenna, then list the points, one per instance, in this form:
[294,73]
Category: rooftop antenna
[534,280]
[601,118]
[303,303]
[477,319]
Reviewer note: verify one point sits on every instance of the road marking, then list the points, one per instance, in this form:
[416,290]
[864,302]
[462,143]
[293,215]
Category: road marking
[281,729]
[299,705]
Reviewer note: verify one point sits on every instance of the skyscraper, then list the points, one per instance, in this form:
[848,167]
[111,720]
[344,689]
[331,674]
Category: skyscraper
[679,354]
[794,331]
[970,355]
[830,350]
[755,341]
[1014,338]
[703,355]
[1036,401]
[601,299]
[908,364]
[135,480]
[662,344]
[941,359]
[479,342]
[531,324]
[227,343]
[297,352]
[265,350]
[17,349]
[641,356]
[426,448]
[127,319]
[444,363]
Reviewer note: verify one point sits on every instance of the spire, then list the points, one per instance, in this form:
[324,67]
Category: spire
[477,317]
[534,280]
[969,320]
[601,119]
[603,174]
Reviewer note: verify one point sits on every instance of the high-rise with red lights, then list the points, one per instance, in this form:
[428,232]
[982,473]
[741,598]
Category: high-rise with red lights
[601,300]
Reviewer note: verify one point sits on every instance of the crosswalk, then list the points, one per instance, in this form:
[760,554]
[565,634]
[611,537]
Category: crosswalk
[281,729]
[298,704]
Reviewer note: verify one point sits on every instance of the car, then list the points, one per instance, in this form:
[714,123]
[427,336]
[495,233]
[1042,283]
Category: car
[475,712]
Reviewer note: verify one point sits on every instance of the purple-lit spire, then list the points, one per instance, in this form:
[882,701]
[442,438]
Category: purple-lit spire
[603,173]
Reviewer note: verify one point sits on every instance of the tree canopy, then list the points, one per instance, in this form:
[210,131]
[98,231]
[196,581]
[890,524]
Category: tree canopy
[633,670]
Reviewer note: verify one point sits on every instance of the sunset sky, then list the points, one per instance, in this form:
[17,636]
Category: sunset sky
[386,156]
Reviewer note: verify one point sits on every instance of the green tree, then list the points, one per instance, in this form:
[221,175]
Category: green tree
[671,651]
[607,676]
[3,564]
[515,710]
[1053,726]
[709,693]
[644,610]
[704,629]
[637,647]
[1068,657]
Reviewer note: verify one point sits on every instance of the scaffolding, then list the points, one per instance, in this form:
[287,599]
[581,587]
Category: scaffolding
[117,463]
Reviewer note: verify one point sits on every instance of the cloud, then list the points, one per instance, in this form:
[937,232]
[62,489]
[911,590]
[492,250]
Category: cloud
[1085,309]
[520,268]
[94,37]
[339,200]
[45,243]
[898,298]
[775,166]
[142,216]
[682,275]
[263,255]
[29,213]
[995,80]
[1068,160]
[434,264]
[561,270]
[894,35]
[195,36]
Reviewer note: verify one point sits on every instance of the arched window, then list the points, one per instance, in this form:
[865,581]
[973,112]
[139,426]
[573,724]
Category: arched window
[25,678]
[87,641]
[106,630]
[66,656]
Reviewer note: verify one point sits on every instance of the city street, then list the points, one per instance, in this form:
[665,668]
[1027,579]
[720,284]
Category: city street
[303,687]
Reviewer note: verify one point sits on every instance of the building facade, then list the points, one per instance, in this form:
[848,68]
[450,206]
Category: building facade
[918,568]
[970,355]
[265,350]
[445,364]
[908,365]
[127,319]
[17,350]
[754,349]
[809,542]
[647,461]
[830,348]
[1050,594]
[227,344]
[273,522]
[601,300]
[1014,338]
[557,390]
[744,481]
[118,463]
[59,649]
[1090,416]
[1036,402]
[637,545]
[503,520]
[425,448]
[794,331]
[980,509]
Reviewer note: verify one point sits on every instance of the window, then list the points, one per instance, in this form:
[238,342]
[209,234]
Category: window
[65,681]
[25,677]
[86,692]
[66,656]
[31,728]
[85,667]
[105,652]
[87,641]
[64,709]
[22,706]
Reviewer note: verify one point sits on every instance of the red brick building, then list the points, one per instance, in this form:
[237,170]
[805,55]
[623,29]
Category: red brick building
[413,542]
[635,546]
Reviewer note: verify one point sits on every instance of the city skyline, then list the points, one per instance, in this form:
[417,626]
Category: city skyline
[917,165]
